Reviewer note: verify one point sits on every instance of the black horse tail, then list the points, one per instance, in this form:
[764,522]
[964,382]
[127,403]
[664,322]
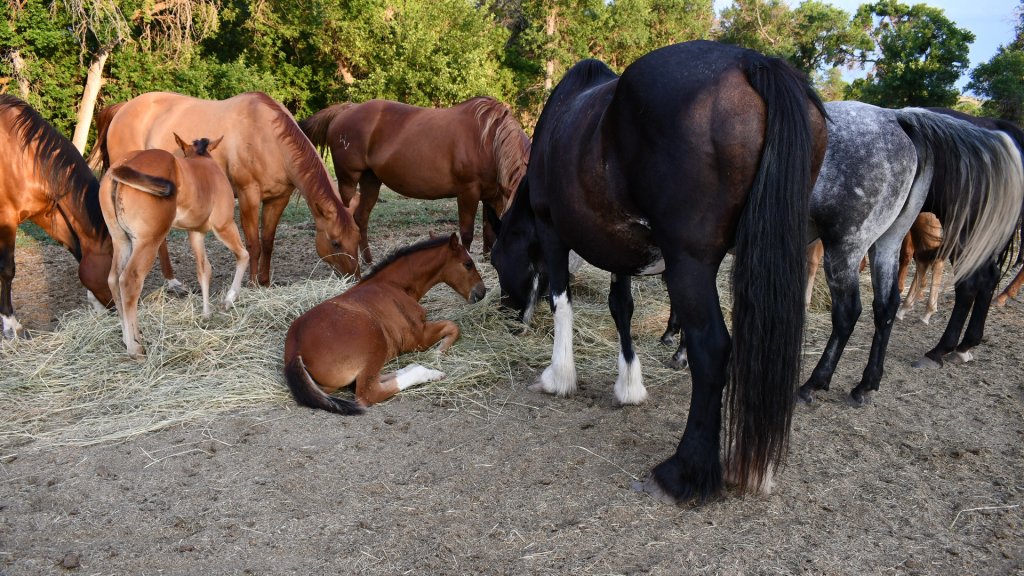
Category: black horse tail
[315,127]
[307,393]
[977,189]
[769,273]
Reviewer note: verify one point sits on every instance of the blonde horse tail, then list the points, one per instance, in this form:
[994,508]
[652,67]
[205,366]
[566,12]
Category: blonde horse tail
[99,159]
[315,127]
[307,393]
[978,185]
[154,185]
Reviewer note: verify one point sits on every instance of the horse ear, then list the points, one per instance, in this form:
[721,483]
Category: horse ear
[212,145]
[181,143]
[453,241]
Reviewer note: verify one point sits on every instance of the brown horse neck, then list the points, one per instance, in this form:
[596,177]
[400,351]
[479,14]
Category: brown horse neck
[415,273]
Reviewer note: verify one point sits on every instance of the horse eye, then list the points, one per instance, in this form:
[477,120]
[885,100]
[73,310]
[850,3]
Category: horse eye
[469,265]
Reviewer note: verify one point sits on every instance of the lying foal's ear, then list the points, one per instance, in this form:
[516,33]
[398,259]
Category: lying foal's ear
[453,241]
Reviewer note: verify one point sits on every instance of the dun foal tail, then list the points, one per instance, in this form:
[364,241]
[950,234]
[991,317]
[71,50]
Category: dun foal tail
[307,393]
[978,185]
[154,185]
[769,273]
[315,127]
[98,158]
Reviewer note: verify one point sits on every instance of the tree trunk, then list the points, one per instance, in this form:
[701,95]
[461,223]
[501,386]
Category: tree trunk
[93,83]
[549,66]
[18,63]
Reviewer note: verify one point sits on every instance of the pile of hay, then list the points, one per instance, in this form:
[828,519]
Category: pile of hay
[76,385]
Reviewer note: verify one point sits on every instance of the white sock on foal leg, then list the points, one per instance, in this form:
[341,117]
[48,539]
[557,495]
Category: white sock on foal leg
[414,374]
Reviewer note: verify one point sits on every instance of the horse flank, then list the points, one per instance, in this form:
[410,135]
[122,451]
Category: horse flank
[60,163]
[305,167]
[996,183]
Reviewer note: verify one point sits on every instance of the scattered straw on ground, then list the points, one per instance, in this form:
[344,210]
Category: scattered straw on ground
[76,385]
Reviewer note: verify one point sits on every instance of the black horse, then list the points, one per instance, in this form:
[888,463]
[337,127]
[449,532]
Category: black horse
[697,149]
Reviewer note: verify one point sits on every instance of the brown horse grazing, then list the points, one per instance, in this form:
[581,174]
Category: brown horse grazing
[264,154]
[475,151]
[43,178]
[147,193]
[922,245]
[350,337]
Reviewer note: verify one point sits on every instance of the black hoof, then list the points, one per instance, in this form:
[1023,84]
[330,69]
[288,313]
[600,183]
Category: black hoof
[668,339]
[859,398]
[927,363]
[806,394]
[677,363]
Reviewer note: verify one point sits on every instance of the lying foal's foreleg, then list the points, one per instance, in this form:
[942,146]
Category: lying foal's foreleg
[444,331]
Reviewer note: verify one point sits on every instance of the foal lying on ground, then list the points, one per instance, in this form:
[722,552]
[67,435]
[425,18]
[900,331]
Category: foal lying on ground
[350,337]
[143,197]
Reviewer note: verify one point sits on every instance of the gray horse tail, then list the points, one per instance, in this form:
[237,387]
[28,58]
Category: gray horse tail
[977,189]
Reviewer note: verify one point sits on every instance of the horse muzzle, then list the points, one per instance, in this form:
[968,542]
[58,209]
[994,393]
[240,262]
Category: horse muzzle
[478,293]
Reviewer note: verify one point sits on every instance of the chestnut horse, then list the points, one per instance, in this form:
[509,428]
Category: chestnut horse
[696,149]
[922,246]
[475,151]
[43,178]
[147,193]
[264,154]
[350,337]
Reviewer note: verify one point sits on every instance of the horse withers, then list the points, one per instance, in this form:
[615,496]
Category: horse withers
[145,195]
[697,148]
[350,337]
[475,152]
[43,178]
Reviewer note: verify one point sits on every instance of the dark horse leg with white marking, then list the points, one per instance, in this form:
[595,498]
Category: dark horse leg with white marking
[678,361]
[629,387]
[973,297]
[11,327]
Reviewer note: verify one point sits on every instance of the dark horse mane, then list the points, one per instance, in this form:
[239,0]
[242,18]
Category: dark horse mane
[405,251]
[306,164]
[66,172]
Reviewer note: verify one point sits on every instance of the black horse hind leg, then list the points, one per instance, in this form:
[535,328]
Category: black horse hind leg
[967,291]
[695,469]
[988,279]
[629,386]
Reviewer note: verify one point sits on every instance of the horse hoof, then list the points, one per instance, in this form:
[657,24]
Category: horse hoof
[651,487]
[1000,300]
[176,289]
[858,398]
[677,363]
[926,362]
[805,394]
[668,339]
[960,357]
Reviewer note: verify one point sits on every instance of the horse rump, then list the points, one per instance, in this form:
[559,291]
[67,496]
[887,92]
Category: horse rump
[307,393]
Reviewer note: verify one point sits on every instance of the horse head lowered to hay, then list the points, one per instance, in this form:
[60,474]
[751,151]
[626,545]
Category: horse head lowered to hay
[264,154]
[43,178]
[474,151]
[697,148]
[147,193]
[350,337]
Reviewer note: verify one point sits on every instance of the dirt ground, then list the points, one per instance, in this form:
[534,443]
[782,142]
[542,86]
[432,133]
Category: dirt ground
[926,479]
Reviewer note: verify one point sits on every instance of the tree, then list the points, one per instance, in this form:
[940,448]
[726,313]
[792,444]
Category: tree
[918,55]
[1001,79]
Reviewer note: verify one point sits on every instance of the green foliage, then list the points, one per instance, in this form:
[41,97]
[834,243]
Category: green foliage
[919,55]
[813,37]
[1001,79]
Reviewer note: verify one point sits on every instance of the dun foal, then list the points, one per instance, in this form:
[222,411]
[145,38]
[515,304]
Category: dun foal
[145,195]
[350,337]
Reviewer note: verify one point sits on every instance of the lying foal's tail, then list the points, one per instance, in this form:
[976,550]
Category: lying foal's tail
[977,188]
[307,393]
[769,272]
[150,184]
[315,127]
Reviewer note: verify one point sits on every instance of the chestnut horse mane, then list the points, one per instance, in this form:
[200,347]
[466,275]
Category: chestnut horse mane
[60,163]
[510,145]
[305,163]
[405,251]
